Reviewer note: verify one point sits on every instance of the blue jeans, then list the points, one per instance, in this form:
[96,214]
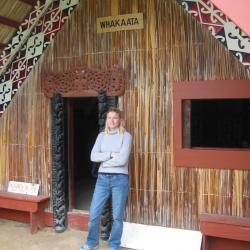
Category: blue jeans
[107,184]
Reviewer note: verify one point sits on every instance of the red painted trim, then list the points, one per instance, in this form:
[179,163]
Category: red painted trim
[48,218]
[228,227]
[215,243]
[2,46]
[225,219]
[212,89]
[24,216]
[224,232]
[9,22]
[14,215]
[21,202]
[30,2]
[213,158]
[78,220]
[208,157]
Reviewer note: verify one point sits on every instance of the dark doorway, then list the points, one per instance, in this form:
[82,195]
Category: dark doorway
[82,130]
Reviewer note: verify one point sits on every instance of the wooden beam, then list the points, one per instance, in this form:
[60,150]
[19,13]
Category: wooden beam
[9,22]
[30,2]
[2,46]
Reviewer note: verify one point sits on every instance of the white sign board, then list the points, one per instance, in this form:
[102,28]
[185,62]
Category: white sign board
[146,237]
[23,188]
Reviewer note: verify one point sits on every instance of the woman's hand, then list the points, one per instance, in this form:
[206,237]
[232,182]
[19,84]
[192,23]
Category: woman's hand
[114,154]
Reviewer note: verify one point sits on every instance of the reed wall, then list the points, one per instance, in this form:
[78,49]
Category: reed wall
[25,150]
[171,47]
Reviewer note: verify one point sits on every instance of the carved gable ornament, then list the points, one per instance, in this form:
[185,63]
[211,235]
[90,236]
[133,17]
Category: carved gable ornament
[85,82]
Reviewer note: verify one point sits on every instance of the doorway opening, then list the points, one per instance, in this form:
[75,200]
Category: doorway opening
[82,130]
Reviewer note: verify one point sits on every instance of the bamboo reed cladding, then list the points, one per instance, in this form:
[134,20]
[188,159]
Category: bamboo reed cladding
[171,47]
[25,141]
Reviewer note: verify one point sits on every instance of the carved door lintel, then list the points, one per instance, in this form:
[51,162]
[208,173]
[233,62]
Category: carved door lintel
[85,81]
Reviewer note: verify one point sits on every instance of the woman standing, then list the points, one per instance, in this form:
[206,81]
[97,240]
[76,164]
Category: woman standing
[112,149]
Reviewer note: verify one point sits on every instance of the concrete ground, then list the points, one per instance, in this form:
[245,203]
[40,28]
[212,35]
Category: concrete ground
[16,236]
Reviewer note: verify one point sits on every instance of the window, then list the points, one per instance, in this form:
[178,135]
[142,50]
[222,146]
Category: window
[222,123]
[212,124]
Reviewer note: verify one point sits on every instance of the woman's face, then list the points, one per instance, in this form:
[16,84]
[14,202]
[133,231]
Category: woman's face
[113,120]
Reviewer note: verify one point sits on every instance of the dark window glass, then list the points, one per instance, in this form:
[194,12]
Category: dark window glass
[223,123]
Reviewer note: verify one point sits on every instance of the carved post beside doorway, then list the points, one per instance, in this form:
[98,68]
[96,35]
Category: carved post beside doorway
[58,176]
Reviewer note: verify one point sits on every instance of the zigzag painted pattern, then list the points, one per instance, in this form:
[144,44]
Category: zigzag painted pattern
[42,24]
[221,27]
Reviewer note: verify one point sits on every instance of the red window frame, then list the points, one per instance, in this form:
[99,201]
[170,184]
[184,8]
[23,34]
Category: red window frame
[228,158]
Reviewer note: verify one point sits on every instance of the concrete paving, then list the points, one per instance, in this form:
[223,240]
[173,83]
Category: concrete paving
[16,236]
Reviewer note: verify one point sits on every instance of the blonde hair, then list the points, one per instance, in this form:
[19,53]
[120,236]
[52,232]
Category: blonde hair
[121,127]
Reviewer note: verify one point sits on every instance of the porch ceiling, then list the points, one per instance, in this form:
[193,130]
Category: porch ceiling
[12,14]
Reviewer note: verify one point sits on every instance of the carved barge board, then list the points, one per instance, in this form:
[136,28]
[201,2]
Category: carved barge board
[85,82]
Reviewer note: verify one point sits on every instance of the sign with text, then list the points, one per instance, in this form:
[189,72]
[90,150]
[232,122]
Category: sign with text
[121,22]
[23,188]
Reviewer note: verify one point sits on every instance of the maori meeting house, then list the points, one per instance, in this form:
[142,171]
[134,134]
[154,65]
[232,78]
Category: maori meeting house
[180,72]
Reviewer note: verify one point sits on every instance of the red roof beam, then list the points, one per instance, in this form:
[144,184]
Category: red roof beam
[9,22]
[2,46]
[30,2]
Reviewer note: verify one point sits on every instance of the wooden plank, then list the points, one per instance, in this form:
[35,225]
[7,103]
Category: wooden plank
[30,2]
[77,220]
[15,215]
[22,202]
[223,230]
[227,231]
[32,198]
[9,22]
[2,46]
